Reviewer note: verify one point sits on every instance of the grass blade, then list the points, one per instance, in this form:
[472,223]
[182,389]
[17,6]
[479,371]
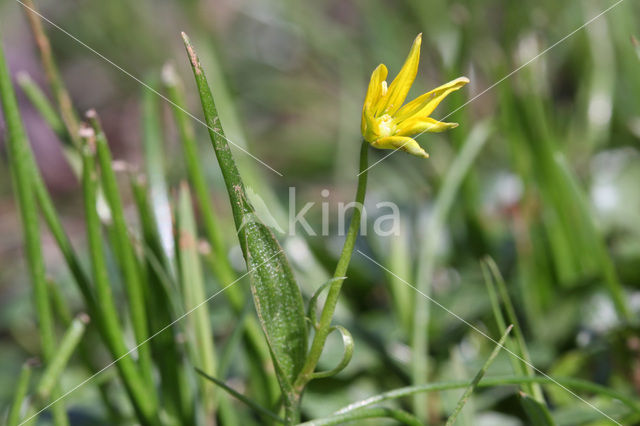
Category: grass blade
[21,173]
[19,393]
[427,257]
[63,100]
[367,413]
[193,293]
[474,383]
[59,361]
[141,396]
[123,246]
[256,407]
[155,168]
[521,346]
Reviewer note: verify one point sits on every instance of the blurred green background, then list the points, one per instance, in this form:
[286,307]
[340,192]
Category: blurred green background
[552,196]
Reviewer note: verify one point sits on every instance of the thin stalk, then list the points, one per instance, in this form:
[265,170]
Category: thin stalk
[50,115]
[193,293]
[155,169]
[21,173]
[161,307]
[522,349]
[479,375]
[248,401]
[20,392]
[324,325]
[427,257]
[368,413]
[142,397]
[56,83]
[86,349]
[123,246]
[59,361]
[570,383]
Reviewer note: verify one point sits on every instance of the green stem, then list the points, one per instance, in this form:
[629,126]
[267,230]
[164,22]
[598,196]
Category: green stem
[20,392]
[367,413]
[142,397]
[58,88]
[571,383]
[55,368]
[324,325]
[129,264]
[474,383]
[21,173]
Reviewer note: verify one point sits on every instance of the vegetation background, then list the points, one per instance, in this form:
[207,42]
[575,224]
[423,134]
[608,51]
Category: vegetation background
[552,196]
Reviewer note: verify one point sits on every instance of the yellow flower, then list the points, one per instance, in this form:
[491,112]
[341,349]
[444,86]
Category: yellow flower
[385,124]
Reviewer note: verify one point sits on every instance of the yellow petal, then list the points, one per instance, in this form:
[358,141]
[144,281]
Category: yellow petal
[424,105]
[374,91]
[415,126]
[401,142]
[400,86]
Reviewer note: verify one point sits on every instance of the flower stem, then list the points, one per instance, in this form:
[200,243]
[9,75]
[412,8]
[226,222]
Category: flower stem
[324,325]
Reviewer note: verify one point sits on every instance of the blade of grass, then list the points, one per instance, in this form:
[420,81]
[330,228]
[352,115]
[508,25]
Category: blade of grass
[162,306]
[143,398]
[155,171]
[124,248]
[255,406]
[86,350]
[427,256]
[63,353]
[521,346]
[479,375]
[193,293]
[536,412]
[20,390]
[21,173]
[577,384]
[56,83]
[48,112]
[367,413]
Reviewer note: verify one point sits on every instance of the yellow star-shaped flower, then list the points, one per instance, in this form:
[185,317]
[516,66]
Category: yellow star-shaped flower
[386,124]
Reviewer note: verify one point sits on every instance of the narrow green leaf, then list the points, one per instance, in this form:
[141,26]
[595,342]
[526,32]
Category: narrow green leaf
[479,375]
[537,413]
[367,413]
[347,341]
[162,307]
[19,393]
[59,361]
[257,407]
[155,172]
[217,259]
[22,177]
[193,294]
[50,115]
[521,346]
[143,398]
[428,250]
[276,295]
[128,262]
[58,88]
[568,382]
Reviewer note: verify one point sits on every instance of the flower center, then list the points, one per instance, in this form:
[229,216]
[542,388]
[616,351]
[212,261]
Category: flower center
[386,126]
